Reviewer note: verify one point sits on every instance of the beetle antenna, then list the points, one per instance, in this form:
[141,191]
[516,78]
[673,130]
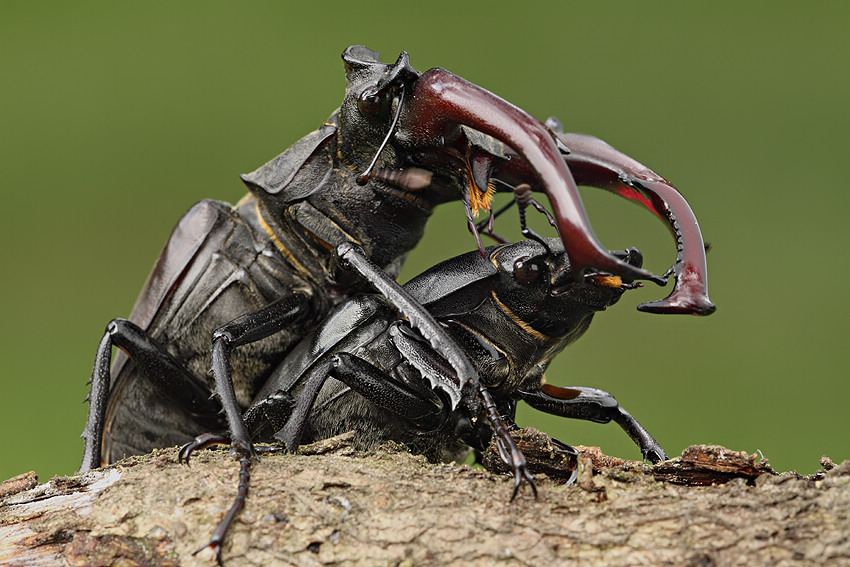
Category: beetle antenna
[365,176]
[523,198]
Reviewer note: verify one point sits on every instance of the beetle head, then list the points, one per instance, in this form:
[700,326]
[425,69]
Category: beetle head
[371,99]
[537,288]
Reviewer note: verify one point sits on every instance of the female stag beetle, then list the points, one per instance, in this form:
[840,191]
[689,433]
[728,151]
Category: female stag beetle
[511,312]
[259,275]
[365,369]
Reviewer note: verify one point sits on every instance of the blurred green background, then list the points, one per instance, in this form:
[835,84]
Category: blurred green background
[116,117]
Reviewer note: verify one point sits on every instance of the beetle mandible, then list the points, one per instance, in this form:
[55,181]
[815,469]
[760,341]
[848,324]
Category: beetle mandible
[258,275]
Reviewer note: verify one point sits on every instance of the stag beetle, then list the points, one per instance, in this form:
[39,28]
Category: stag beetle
[511,312]
[258,275]
[365,369]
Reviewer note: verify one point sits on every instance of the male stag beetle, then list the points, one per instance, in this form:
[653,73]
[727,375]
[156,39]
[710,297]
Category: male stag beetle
[259,275]
[365,369]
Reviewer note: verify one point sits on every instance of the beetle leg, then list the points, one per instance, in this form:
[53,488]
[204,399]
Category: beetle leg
[509,452]
[367,380]
[421,320]
[523,198]
[156,365]
[291,433]
[374,385]
[243,330]
[593,405]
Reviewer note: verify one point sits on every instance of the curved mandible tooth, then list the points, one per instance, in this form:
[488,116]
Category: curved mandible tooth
[597,164]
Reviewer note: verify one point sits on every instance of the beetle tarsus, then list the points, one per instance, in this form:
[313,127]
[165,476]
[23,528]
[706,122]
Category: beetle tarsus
[202,441]
[217,538]
[509,451]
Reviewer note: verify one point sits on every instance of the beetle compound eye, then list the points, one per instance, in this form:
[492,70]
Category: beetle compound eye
[369,102]
[526,270]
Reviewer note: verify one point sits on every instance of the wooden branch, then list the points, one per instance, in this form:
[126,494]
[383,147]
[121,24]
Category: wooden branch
[330,505]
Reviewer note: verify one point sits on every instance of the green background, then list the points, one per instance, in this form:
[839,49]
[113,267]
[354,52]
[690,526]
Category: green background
[116,117]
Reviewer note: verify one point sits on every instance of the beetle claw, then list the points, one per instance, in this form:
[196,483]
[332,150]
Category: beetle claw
[655,455]
[521,473]
[202,441]
[216,546]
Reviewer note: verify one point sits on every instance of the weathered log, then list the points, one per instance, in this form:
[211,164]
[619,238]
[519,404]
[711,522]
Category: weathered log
[331,505]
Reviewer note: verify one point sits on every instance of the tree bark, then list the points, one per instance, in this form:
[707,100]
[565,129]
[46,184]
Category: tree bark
[332,505]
